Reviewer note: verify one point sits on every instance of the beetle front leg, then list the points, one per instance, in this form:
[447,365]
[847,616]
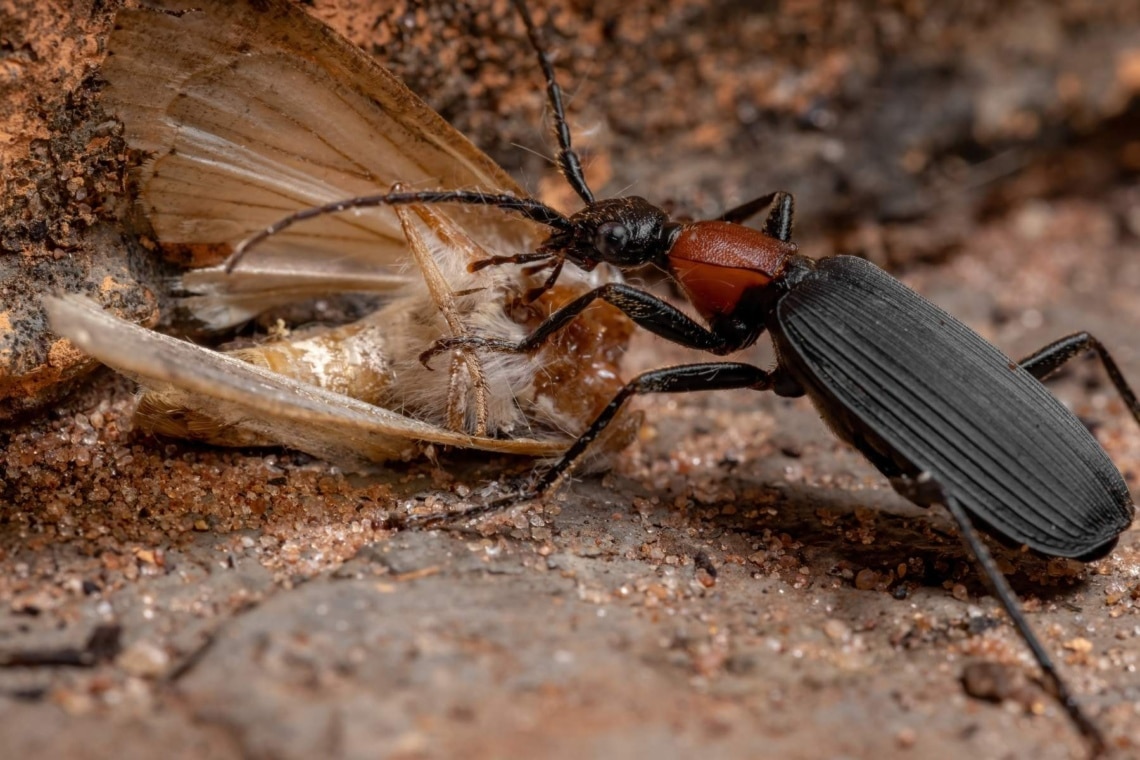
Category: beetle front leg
[645,309]
[1045,361]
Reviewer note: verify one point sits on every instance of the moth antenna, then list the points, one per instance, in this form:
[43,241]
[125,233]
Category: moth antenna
[568,160]
[529,208]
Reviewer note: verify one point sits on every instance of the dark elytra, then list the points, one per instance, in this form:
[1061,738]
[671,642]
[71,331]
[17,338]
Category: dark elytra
[917,391]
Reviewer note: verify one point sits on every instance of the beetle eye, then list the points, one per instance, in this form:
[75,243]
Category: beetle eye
[611,238]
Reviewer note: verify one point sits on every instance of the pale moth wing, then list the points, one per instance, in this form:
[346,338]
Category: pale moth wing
[251,110]
[263,404]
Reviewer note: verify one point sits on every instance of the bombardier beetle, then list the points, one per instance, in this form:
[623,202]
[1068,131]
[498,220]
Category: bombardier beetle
[943,414]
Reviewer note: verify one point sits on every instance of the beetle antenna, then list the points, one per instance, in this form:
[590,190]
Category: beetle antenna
[568,160]
[529,208]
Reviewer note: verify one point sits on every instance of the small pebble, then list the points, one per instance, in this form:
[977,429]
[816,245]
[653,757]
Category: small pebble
[866,579]
[144,659]
[837,630]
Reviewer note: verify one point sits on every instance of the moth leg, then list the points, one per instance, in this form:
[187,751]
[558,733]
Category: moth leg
[465,362]
[467,377]
[1045,361]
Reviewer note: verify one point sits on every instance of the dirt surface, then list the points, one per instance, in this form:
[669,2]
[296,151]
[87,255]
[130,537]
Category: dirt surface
[741,584]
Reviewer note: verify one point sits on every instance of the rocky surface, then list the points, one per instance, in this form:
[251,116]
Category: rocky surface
[741,584]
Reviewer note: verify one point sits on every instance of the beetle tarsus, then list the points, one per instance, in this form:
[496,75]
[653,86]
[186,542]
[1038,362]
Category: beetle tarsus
[534,294]
[518,258]
[450,520]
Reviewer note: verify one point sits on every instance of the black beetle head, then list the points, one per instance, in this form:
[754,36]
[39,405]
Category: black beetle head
[625,232]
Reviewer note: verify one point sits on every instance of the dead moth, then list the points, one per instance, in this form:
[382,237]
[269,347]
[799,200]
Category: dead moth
[333,393]
[250,110]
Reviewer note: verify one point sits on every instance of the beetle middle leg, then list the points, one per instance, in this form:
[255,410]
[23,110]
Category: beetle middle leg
[778,223]
[709,376]
[1047,360]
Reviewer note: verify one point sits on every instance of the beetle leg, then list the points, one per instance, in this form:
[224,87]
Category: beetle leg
[646,310]
[932,491]
[778,223]
[518,258]
[710,376]
[780,218]
[745,211]
[534,294]
[1045,361]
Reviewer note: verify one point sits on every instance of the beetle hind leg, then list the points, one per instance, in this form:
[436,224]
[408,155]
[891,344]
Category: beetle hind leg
[1047,360]
[931,491]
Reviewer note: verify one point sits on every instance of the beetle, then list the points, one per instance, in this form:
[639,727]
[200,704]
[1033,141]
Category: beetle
[943,414]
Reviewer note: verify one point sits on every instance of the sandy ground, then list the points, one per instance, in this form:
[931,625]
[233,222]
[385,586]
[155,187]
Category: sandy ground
[740,585]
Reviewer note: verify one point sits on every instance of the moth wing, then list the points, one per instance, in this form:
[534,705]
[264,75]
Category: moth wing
[252,109]
[262,403]
[218,299]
